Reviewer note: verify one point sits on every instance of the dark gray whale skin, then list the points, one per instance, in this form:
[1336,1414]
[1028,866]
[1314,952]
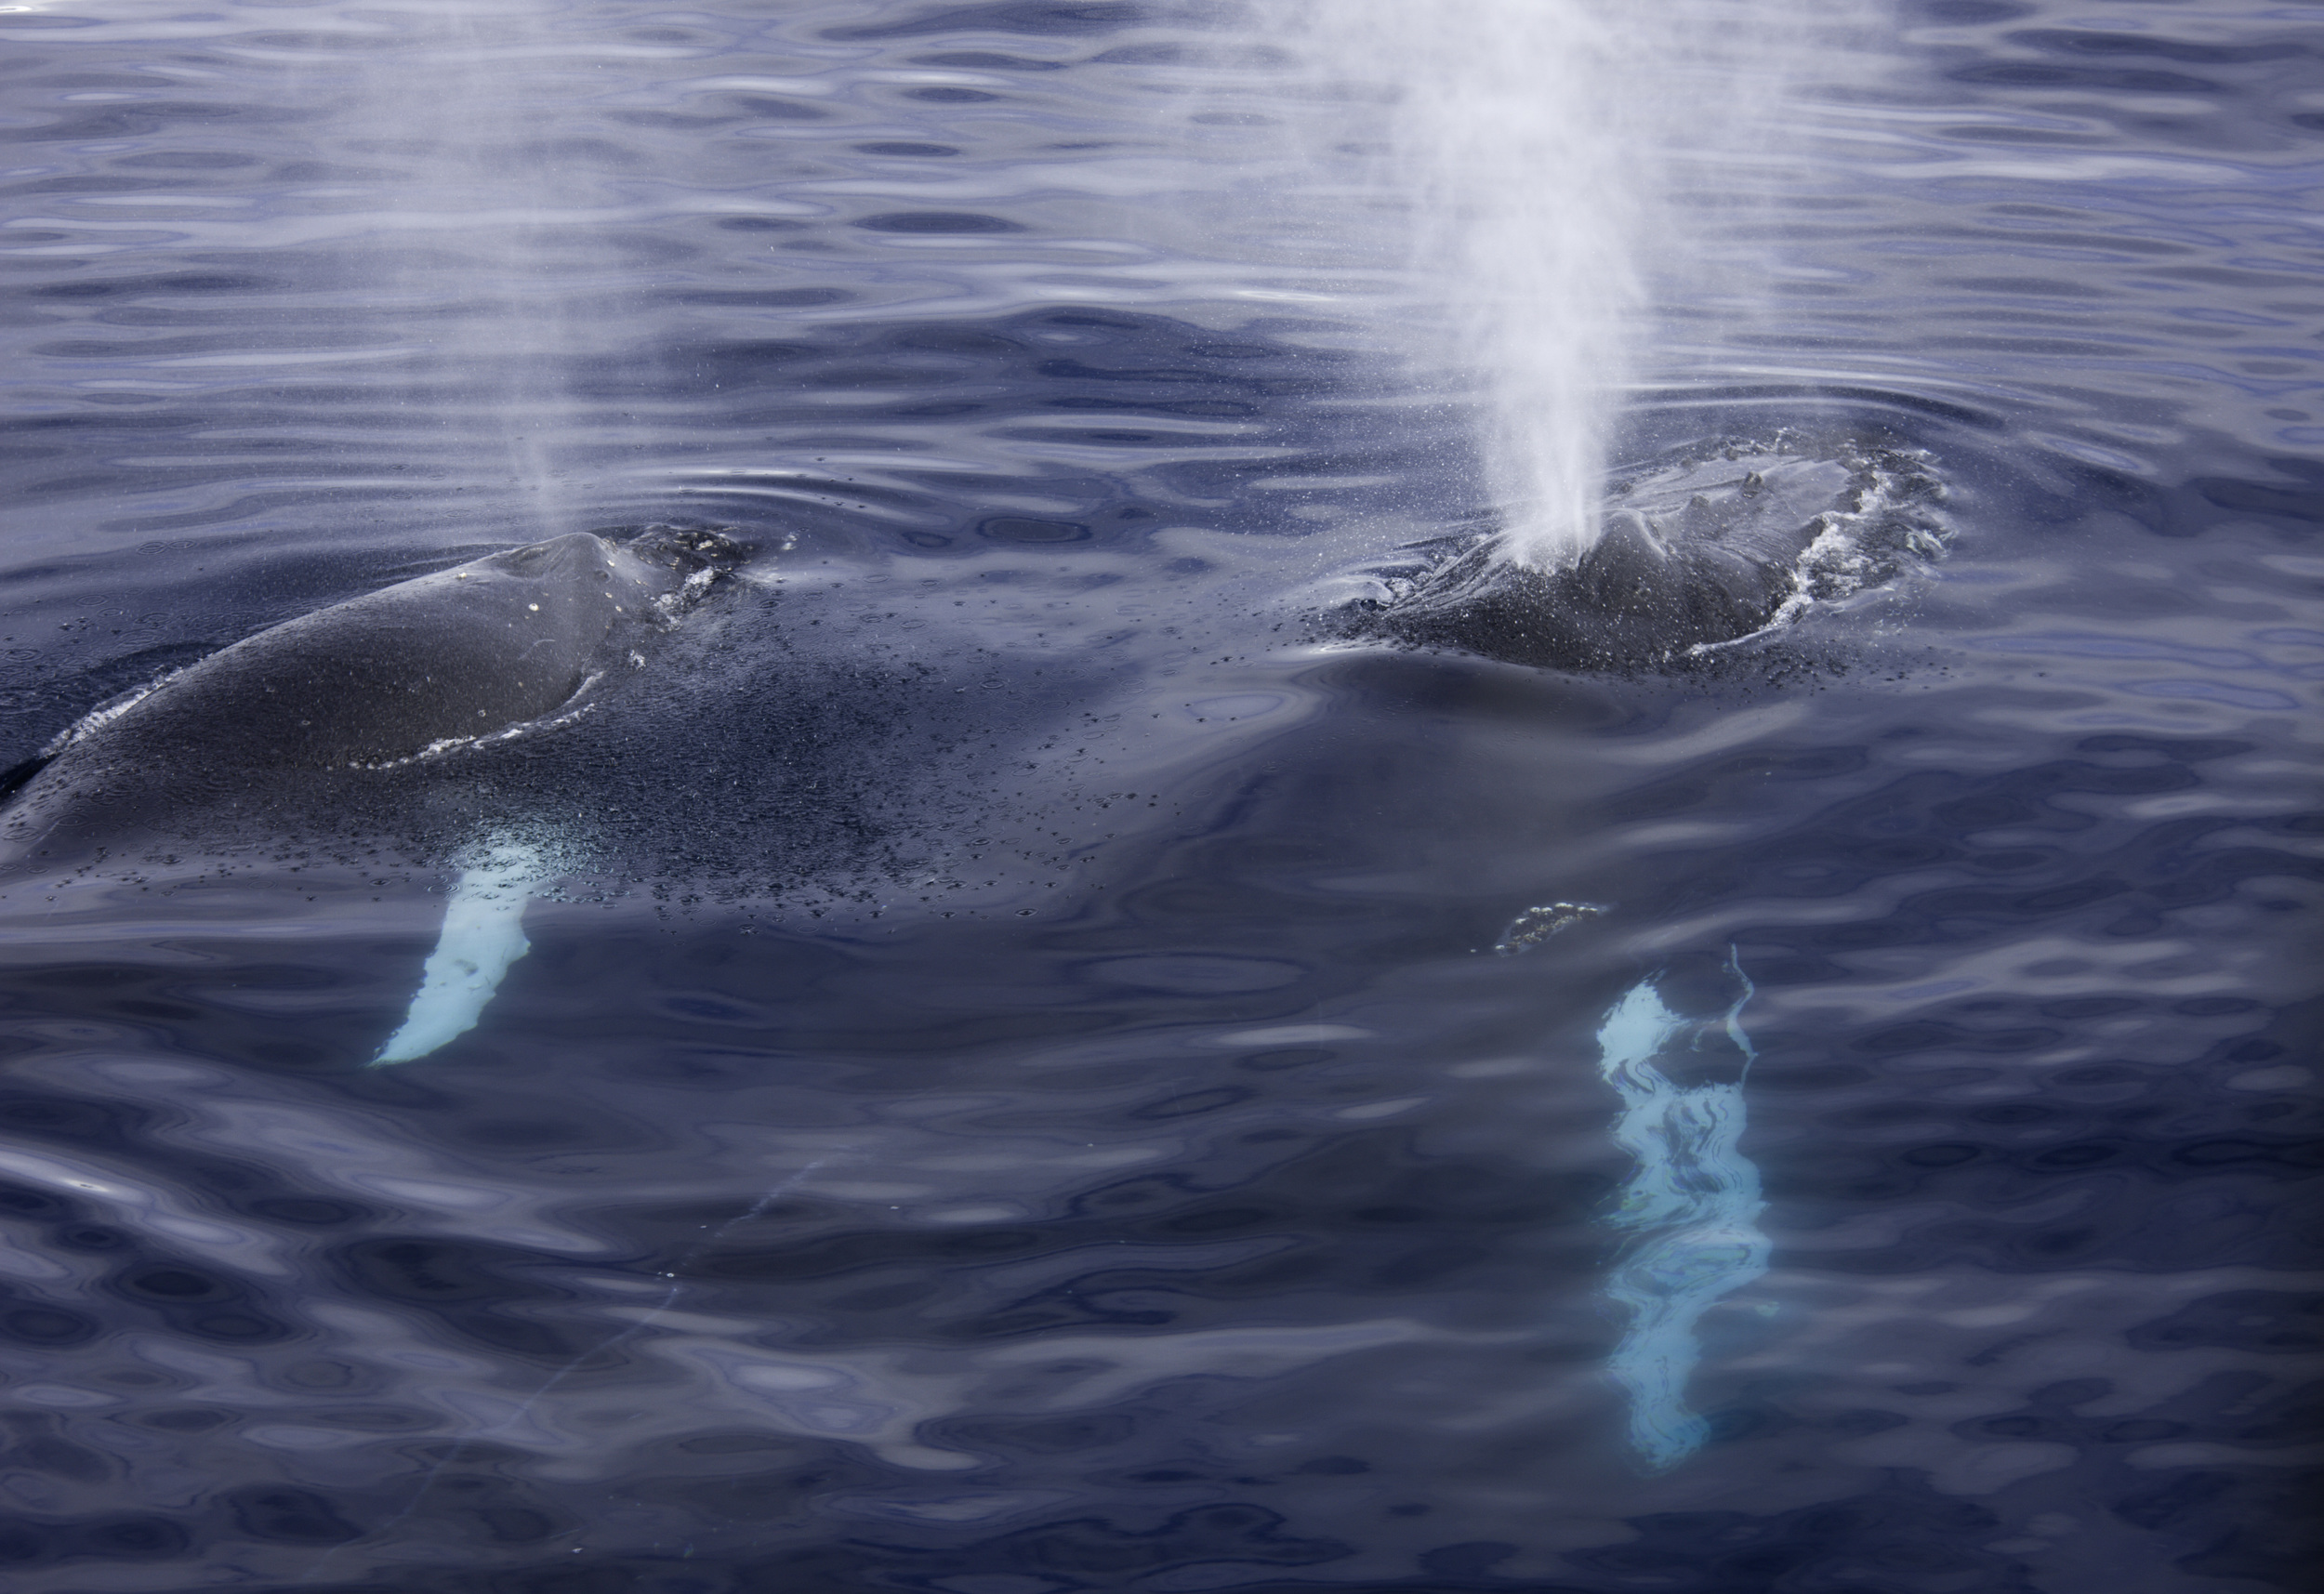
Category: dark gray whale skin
[1704,550]
[307,705]
[1634,599]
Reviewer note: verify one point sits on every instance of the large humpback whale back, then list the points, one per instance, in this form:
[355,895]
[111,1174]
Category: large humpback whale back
[284,717]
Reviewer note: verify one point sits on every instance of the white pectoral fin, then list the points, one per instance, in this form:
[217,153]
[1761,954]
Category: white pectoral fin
[1692,1203]
[483,933]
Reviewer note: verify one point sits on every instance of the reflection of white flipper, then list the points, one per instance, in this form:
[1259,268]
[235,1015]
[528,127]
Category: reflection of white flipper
[1695,1204]
[483,933]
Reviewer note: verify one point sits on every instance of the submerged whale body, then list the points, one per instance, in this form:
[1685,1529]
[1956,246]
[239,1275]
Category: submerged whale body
[1703,549]
[476,652]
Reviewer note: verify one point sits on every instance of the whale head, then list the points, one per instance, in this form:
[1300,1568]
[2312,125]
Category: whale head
[1709,547]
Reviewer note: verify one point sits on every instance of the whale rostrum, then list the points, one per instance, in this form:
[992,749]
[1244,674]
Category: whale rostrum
[474,652]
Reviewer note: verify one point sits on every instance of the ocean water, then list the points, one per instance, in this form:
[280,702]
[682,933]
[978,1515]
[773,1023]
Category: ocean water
[1054,1042]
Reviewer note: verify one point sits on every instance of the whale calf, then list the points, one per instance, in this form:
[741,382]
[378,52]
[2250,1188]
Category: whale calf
[278,722]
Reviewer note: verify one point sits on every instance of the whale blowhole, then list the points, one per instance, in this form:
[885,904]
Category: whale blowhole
[1718,542]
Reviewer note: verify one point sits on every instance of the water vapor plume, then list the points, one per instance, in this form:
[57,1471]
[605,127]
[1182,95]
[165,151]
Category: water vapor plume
[1555,171]
[472,198]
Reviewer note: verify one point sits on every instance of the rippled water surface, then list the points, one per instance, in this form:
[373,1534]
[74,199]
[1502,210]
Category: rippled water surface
[1058,1050]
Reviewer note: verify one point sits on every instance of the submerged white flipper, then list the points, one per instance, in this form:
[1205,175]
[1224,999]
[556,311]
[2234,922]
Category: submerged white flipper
[1694,1201]
[483,933]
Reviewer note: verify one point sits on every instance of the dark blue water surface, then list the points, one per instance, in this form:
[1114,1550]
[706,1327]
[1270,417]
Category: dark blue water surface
[1014,1090]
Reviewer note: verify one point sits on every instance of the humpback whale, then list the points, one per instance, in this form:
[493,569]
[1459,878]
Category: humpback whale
[307,719]
[286,718]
